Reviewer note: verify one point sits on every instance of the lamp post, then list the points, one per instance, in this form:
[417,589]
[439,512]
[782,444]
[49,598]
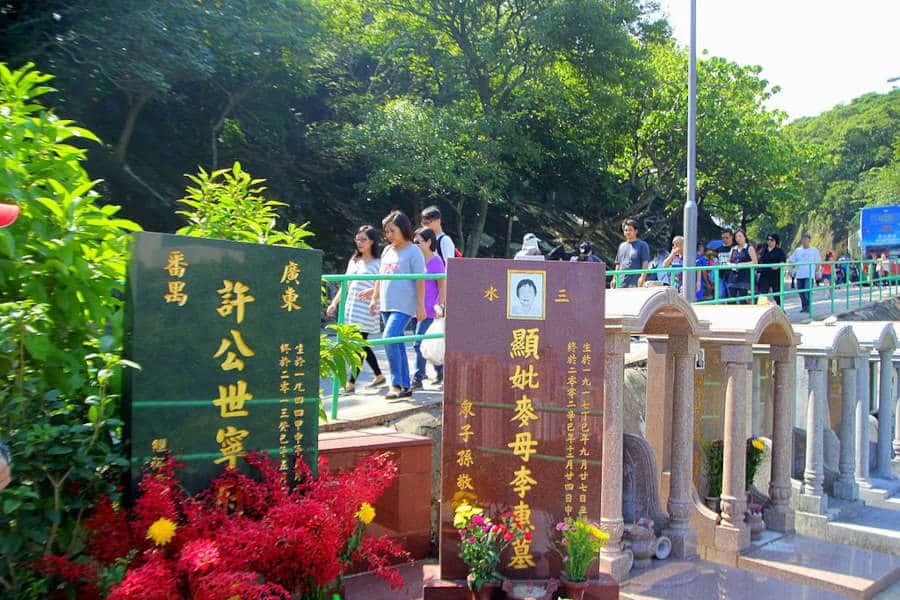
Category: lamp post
[689,279]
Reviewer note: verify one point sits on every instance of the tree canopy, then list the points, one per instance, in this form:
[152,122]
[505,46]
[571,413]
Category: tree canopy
[555,116]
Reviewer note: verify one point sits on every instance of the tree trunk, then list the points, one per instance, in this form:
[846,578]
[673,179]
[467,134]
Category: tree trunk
[474,241]
[233,101]
[134,109]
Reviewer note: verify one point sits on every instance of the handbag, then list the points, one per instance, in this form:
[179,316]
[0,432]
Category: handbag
[433,350]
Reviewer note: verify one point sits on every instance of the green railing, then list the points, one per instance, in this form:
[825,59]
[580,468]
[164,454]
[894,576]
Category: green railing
[887,286]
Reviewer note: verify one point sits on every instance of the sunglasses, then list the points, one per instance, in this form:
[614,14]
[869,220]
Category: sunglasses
[418,241]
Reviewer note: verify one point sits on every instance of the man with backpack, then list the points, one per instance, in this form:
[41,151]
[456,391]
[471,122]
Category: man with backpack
[444,246]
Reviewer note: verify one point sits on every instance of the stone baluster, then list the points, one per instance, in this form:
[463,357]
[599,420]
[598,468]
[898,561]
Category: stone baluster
[613,559]
[680,504]
[780,517]
[734,456]
[862,420]
[812,497]
[896,444]
[845,487]
[885,416]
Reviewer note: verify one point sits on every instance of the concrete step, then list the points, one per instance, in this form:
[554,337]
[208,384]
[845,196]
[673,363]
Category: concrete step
[827,566]
[884,493]
[873,528]
[702,580]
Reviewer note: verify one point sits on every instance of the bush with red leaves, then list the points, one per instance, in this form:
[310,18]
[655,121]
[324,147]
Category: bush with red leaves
[245,537]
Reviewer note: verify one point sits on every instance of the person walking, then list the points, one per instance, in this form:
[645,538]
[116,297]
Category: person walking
[444,247]
[723,255]
[435,299]
[742,252]
[531,249]
[364,261]
[586,253]
[675,259]
[399,300]
[827,269]
[805,273]
[770,278]
[633,253]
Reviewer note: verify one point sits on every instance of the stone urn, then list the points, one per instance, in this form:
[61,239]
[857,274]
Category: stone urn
[574,590]
[488,590]
[535,589]
[755,522]
[714,503]
[643,543]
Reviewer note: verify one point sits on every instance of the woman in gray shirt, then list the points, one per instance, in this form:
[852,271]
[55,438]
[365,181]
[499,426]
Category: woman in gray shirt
[399,300]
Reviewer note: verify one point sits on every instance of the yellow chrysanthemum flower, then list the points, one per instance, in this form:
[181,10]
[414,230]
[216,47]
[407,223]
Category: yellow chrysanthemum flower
[161,531]
[366,513]
[758,444]
[463,513]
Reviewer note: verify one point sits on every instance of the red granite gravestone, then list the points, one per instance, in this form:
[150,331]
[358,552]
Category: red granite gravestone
[523,397]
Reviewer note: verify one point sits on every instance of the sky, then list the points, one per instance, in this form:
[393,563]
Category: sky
[820,52]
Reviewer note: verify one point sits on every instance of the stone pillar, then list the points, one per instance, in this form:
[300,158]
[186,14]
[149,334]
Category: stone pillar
[885,416]
[734,455]
[613,559]
[780,516]
[812,496]
[862,421]
[896,462]
[845,486]
[680,504]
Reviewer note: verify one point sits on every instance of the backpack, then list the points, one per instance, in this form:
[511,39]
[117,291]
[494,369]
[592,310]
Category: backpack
[456,252]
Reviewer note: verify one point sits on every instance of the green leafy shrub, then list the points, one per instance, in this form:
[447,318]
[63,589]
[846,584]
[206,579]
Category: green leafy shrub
[62,270]
[226,204]
[712,450]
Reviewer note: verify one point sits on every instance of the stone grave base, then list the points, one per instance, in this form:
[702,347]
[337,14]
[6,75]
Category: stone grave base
[703,579]
[434,588]
[881,493]
[826,566]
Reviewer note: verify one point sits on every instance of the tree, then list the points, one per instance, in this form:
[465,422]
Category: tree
[475,59]
[854,153]
[745,166]
[138,50]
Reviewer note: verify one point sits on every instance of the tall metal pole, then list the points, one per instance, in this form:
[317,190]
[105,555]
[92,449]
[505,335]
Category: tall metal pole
[690,206]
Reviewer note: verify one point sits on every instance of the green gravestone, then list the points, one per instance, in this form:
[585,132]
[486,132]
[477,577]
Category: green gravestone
[227,337]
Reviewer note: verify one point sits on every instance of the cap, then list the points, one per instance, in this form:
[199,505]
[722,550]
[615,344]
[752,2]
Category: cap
[585,248]
[530,241]
[806,235]
[8,214]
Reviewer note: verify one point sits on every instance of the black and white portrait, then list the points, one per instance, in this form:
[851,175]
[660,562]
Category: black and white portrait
[525,298]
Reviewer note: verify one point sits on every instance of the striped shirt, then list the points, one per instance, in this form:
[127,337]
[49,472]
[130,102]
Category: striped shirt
[356,311]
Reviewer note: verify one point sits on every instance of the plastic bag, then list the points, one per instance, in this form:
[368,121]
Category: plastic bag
[433,350]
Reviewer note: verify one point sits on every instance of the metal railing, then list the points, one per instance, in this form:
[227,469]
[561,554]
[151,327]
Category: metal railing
[868,273]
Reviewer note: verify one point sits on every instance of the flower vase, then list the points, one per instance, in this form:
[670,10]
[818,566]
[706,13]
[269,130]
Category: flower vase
[574,590]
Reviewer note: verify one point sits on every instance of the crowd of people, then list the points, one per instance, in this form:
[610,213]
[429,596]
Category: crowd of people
[393,305]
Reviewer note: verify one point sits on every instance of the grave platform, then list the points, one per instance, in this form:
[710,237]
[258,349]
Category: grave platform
[883,493]
[872,528]
[829,567]
[422,581]
[702,580]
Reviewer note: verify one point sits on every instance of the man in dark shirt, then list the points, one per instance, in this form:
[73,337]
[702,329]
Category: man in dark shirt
[724,254]
[770,279]
[633,254]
